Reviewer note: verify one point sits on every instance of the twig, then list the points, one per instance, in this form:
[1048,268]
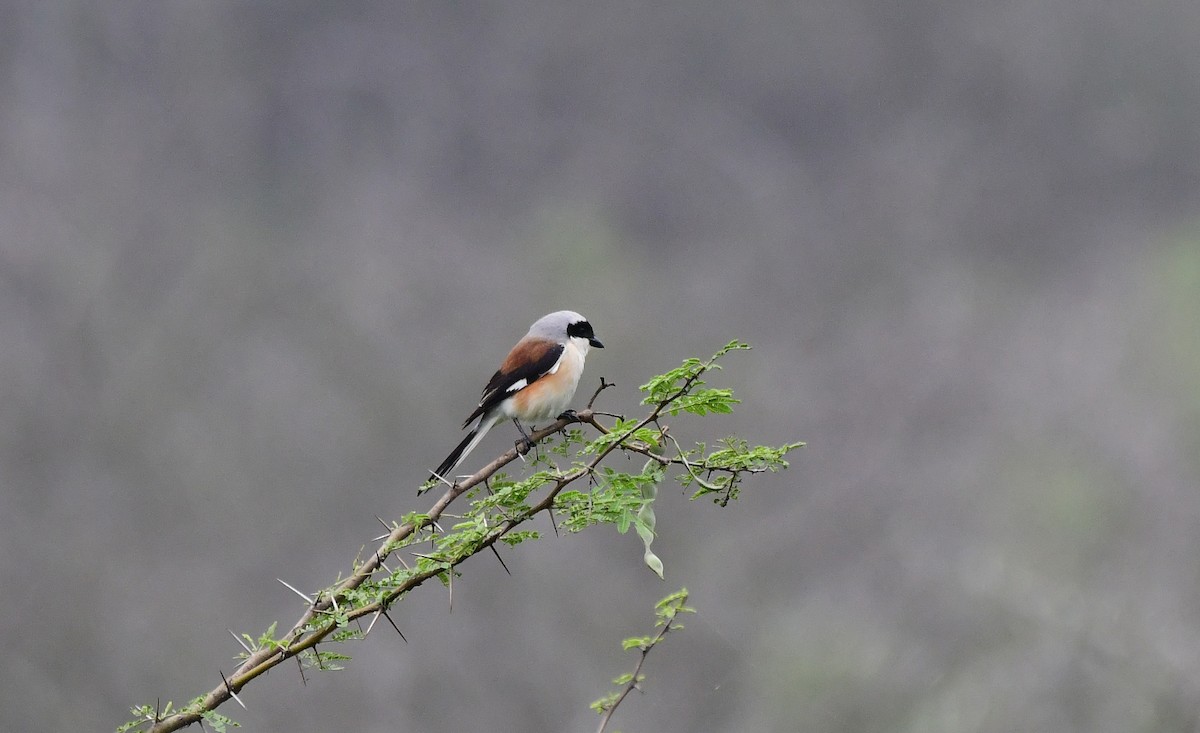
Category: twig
[603,386]
[636,677]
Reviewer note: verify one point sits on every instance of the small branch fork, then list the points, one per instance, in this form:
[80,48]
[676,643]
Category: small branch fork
[305,635]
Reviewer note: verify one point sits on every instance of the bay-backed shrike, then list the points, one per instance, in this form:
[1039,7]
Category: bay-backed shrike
[536,381]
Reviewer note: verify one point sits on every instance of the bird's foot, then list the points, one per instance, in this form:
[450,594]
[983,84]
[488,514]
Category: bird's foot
[569,415]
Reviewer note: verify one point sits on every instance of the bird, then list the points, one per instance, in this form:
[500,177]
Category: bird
[537,380]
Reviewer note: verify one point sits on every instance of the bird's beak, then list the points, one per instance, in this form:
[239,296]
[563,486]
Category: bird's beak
[596,342]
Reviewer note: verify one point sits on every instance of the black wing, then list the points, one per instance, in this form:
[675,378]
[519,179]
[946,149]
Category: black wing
[525,364]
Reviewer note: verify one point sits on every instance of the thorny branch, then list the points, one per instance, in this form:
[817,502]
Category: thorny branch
[297,640]
[320,619]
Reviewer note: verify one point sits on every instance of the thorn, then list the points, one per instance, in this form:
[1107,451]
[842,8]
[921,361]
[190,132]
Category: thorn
[157,708]
[441,478]
[394,626]
[300,666]
[333,600]
[553,520]
[234,695]
[435,525]
[497,554]
[372,624]
[386,526]
[239,640]
[292,588]
[450,585]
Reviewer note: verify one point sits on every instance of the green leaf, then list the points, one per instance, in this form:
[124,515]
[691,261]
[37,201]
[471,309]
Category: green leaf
[653,562]
[603,705]
[702,402]
[674,604]
[646,520]
[219,722]
[636,642]
[512,539]
[267,637]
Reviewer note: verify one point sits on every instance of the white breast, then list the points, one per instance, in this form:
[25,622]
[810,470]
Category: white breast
[549,396]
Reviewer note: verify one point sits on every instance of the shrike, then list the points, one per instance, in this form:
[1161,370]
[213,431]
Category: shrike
[536,381]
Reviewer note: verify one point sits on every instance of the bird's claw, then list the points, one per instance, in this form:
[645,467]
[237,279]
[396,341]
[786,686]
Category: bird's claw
[568,415]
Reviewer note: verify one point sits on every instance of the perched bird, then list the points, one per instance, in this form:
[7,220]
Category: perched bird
[536,381]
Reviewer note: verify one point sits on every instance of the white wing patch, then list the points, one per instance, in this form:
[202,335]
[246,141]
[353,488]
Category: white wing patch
[521,384]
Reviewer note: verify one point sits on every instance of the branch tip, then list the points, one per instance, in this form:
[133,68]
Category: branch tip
[603,386]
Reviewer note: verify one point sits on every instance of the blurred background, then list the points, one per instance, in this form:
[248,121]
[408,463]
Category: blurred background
[256,260]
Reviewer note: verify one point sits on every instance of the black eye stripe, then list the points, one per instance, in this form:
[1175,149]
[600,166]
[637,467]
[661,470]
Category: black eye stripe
[581,329]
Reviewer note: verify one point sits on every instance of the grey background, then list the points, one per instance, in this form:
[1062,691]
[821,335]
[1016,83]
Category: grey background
[257,259]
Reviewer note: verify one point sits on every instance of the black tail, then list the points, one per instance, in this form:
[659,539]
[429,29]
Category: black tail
[452,460]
